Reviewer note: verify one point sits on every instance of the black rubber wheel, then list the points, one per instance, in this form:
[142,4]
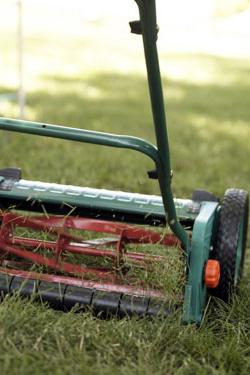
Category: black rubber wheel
[230,244]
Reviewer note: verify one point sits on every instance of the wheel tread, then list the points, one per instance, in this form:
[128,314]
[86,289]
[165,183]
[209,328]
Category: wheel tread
[234,207]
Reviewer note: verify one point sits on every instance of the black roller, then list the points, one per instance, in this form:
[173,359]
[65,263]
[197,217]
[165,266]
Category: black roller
[133,305]
[76,295]
[106,303]
[65,297]
[25,287]
[158,308]
[52,293]
[5,281]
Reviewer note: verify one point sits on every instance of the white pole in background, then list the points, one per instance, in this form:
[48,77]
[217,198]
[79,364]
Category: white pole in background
[21,93]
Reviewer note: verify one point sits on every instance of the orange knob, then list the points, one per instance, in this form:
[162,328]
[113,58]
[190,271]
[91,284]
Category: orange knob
[212,273]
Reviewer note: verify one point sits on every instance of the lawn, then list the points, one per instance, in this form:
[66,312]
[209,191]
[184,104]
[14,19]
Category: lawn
[76,79]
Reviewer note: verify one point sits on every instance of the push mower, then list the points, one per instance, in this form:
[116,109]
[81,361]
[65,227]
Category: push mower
[211,235]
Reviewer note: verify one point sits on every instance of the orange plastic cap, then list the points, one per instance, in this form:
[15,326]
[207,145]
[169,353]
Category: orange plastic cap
[212,273]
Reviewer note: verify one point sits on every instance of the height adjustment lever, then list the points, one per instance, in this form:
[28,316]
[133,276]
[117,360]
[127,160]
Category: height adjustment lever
[153,174]
[135,27]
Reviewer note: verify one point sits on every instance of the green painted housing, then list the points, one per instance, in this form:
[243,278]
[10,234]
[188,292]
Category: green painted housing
[196,293]
[139,205]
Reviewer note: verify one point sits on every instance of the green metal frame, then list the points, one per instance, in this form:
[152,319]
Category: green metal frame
[195,296]
[197,250]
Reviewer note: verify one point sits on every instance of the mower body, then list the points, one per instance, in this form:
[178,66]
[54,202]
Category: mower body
[200,227]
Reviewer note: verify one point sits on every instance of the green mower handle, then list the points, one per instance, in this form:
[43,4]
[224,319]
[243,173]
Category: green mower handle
[81,135]
[160,155]
[149,31]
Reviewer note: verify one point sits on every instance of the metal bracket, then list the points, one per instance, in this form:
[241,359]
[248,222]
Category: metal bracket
[135,27]
[8,176]
[153,174]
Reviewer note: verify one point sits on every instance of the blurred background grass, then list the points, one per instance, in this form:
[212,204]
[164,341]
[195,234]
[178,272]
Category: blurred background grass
[83,68]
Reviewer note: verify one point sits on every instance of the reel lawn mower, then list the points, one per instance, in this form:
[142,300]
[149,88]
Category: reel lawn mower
[56,262]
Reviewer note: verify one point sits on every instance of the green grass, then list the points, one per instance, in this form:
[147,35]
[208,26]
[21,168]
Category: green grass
[35,339]
[208,116]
